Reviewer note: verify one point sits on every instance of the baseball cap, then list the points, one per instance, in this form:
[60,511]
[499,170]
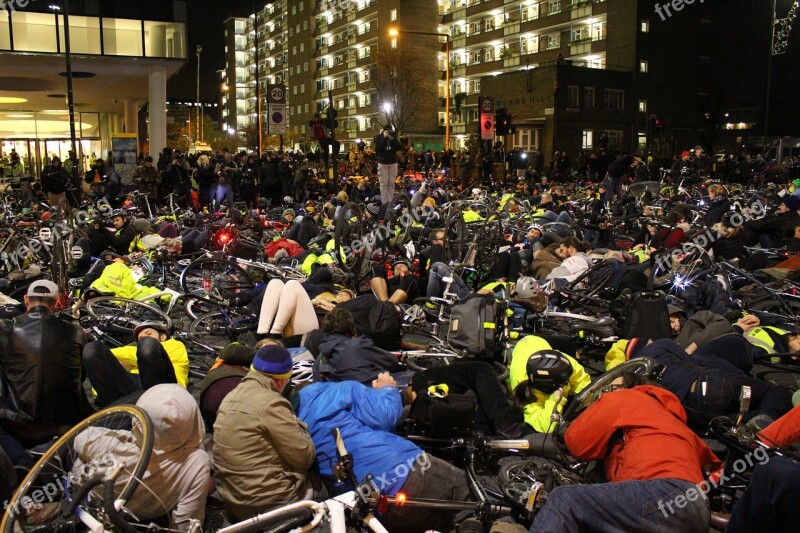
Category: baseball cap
[43,289]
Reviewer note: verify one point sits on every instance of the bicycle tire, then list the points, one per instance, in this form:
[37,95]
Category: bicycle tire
[398,232]
[455,236]
[215,329]
[662,273]
[591,393]
[349,238]
[62,452]
[124,313]
[224,280]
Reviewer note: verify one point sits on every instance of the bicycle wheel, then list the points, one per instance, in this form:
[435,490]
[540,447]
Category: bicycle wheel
[48,497]
[219,328]
[593,392]
[455,236]
[349,238]
[676,270]
[123,314]
[398,221]
[217,280]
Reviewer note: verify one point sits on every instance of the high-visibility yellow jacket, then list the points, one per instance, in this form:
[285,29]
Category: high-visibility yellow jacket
[175,349]
[537,414]
[118,279]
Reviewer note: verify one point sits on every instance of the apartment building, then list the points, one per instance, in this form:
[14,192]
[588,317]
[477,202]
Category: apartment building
[317,46]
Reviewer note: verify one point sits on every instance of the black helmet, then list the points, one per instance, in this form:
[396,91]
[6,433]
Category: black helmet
[548,370]
[152,324]
[119,213]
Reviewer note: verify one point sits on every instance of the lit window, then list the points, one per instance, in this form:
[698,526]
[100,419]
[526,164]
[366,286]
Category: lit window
[587,142]
[643,65]
[394,43]
[393,15]
[642,106]
[645,26]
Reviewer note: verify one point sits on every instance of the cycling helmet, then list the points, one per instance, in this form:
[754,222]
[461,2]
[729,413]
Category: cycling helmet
[288,200]
[119,213]
[796,183]
[548,370]
[525,287]
[302,372]
[400,260]
[151,324]
[537,227]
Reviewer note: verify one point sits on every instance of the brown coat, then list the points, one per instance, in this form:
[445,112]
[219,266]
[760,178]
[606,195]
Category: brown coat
[543,263]
[262,451]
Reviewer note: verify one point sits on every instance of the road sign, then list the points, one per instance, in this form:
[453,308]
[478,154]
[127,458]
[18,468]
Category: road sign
[276,119]
[487,126]
[276,94]
[487,104]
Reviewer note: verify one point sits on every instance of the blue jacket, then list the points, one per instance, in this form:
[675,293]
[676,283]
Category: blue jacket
[365,417]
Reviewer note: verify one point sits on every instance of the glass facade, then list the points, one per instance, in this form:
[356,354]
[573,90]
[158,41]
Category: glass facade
[44,33]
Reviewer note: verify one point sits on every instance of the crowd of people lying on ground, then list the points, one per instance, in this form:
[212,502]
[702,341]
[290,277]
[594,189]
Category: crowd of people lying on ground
[256,432]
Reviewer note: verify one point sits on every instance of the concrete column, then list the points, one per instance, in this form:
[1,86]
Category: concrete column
[158,110]
[132,119]
[158,41]
[116,123]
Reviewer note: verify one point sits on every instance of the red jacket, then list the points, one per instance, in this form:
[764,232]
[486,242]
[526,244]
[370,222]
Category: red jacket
[641,433]
[291,247]
[785,431]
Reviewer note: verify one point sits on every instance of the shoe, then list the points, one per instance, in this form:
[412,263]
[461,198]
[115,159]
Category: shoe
[759,422]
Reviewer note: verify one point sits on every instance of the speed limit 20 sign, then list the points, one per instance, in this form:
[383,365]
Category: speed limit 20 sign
[276,94]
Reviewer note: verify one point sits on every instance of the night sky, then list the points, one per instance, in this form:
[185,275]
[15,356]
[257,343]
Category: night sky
[741,36]
[205,28]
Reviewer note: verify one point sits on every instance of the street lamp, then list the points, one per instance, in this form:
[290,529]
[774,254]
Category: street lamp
[394,32]
[387,110]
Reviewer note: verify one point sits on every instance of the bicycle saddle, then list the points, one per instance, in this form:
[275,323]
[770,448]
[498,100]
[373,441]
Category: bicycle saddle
[536,304]
[603,327]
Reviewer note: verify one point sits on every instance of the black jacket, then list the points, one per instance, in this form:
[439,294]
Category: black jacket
[352,359]
[41,372]
[305,231]
[386,149]
[778,227]
[719,206]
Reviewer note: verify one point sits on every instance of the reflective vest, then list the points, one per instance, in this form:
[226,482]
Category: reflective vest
[314,259]
[471,216]
[760,337]
[118,279]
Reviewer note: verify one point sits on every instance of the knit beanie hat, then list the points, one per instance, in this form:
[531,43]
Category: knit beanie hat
[373,209]
[289,212]
[633,348]
[238,354]
[791,202]
[275,361]
[429,202]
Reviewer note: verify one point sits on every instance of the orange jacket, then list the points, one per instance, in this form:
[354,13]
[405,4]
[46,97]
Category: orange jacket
[785,431]
[641,433]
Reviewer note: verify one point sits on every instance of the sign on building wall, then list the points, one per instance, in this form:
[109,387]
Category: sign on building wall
[276,109]
[123,150]
[487,118]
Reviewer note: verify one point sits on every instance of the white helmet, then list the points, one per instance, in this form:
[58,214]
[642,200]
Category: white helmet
[302,372]
[526,287]
[288,200]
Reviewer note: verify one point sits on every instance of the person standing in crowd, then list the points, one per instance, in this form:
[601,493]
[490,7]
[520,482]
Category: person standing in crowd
[386,148]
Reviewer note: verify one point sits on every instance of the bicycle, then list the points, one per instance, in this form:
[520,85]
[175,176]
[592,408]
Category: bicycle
[68,472]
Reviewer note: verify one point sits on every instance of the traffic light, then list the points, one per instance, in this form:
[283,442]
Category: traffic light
[656,125]
[501,121]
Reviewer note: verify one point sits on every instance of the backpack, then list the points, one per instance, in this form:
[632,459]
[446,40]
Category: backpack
[473,325]
[646,316]
[443,417]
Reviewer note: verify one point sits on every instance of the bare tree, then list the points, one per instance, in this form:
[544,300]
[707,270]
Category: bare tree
[403,94]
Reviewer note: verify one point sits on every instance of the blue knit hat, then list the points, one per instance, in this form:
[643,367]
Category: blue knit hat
[273,360]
